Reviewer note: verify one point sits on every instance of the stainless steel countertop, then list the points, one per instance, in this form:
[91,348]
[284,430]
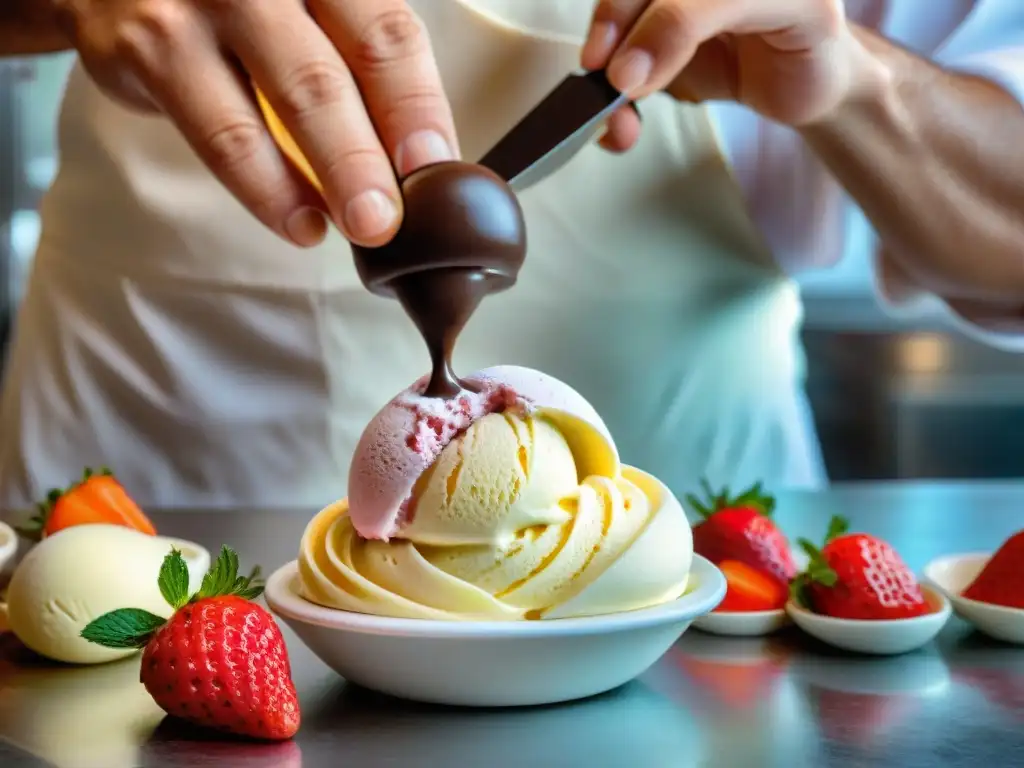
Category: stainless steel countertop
[719,702]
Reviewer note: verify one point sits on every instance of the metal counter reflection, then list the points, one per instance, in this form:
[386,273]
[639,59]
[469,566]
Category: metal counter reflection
[77,716]
[634,725]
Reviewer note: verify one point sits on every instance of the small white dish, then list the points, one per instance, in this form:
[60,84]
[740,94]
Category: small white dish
[749,623]
[880,638]
[492,663]
[742,623]
[952,574]
[8,544]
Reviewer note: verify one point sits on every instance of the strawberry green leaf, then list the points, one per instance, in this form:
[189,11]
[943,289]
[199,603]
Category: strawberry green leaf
[250,587]
[753,497]
[33,527]
[799,593]
[697,506]
[222,579]
[812,552]
[818,569]
[823,575]
[837,527]
[173,580]
[123,628]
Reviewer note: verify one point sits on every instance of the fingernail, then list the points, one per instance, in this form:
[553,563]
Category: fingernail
[306,226]
[630,71]
[600,42]
[370,214]
[422,148]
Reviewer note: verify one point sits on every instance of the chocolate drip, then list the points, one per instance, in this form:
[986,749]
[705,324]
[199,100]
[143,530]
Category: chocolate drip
[463,237]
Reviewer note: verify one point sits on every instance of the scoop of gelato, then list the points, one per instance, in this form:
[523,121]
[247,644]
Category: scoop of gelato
[82,572]
[507,503]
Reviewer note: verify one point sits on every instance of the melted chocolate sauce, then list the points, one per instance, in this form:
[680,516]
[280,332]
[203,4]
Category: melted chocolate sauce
[463,237]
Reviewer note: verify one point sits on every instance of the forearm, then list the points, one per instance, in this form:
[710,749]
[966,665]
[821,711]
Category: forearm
[934,160]
[29,27]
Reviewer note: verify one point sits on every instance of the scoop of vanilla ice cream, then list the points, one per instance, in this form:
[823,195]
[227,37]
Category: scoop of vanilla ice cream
[80,573]
[505,474]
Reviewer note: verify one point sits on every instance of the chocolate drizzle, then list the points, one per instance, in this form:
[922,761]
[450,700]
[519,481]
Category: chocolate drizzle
[463,237]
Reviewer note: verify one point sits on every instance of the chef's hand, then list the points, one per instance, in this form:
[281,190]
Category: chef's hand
[793,61]
[354,81]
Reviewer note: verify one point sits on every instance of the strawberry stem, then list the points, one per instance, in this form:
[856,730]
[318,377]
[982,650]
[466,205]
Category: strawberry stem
[753,497]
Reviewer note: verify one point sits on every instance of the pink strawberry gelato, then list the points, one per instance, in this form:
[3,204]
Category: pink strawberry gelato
[402,441]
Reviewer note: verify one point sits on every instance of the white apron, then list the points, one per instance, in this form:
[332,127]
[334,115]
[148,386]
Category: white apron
[166,334]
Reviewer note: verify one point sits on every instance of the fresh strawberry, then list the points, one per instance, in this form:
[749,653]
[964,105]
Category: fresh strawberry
[1001,581]
[219,661]
[740,528]
[750,589]
[97,498]
[857,576]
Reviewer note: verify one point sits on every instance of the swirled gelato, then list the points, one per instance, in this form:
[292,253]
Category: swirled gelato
[508,502]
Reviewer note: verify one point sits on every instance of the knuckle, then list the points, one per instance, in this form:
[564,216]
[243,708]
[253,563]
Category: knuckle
[674,16]
[613,10]
[392,36]
[235,143]
[833,15]
[349,161]
[219,8]
[160,20]
[312,86]
[408,106]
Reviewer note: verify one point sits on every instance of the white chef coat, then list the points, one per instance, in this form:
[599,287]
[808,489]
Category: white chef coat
[166,333]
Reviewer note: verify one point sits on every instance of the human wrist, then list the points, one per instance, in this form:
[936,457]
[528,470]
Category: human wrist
[871,90]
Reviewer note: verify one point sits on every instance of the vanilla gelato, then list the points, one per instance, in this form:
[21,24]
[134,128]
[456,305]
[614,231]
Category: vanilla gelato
[509,503]
[82,572]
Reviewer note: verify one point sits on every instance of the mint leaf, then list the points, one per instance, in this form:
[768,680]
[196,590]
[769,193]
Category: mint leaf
[173,579]
[123,628]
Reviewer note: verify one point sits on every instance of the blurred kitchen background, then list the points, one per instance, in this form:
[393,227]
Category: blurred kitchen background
[892,399]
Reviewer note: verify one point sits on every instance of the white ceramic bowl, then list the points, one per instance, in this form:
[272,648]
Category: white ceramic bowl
[492,663]
[8,544]
[742,623]
[952,575]
[882,638]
